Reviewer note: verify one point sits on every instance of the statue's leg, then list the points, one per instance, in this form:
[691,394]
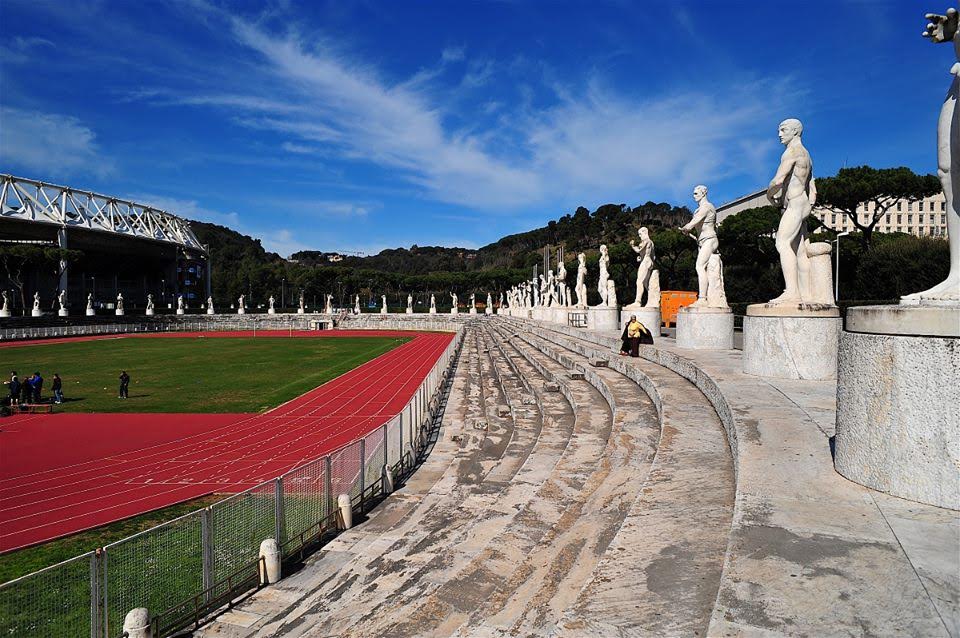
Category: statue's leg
[948,147]
[703,258]
[788,243]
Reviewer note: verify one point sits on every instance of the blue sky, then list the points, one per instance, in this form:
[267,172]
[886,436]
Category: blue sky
[364,125]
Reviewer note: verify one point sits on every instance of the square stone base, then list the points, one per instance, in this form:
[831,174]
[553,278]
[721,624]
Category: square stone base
[791,347]
[705,328]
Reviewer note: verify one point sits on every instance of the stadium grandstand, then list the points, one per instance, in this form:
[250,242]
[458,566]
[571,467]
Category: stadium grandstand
[116,246]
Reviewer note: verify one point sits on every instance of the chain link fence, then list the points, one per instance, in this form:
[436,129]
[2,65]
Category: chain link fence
[185,569]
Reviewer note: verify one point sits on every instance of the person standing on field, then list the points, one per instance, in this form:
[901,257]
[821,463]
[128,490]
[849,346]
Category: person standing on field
[124,384]
[37,387]
[14,386]
[57,387]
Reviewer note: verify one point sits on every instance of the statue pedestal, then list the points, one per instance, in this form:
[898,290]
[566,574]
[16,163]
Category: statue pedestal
[791,341]
[603,318]
[409,311]
[704,328]
[91,312]
[300,311]
[62,312]
[118,312]
[4,313]
[898,388]
[241,311]
[453,311]
[649,317]
[488,311]
[181,311]
[149,312]
[36,313]
[433,311]
[271,311]
[211,311]
[473,311]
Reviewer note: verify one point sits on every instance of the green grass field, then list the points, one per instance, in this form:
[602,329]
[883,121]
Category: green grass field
[191,374]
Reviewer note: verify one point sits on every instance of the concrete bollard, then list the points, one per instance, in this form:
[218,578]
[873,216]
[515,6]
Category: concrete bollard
[346,510]
[388,484]
[270,569]
[137,623]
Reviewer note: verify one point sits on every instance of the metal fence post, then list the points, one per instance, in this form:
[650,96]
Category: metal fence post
[105,589]
[328,485]
[363,464]
[206,548]
[279,526]
[95,594]
[400,432]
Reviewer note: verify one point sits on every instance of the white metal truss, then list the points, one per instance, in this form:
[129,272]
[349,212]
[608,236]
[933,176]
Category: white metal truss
[29,200]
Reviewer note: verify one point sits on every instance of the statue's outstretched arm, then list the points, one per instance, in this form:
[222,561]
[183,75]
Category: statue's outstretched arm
[942,28]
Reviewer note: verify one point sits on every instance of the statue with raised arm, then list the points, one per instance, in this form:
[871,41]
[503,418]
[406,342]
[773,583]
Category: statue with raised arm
[581,288]
[179,302]
[62,299]
[210,310]
[119,301]
[704,222]
[941,29]
[36,302]
[149,301]
[793,190]
[604,264]
[646,256]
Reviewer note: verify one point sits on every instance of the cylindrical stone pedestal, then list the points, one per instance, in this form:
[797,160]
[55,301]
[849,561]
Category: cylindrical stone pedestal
[211,311]
[705,328]
[149,312]
[62,312]
[271,311]
[181,311]
[791,342]
[603,318]
[241,311]
[649,317]
[91,312]
[898,424]
[36,313]
[119,312]
[4,313]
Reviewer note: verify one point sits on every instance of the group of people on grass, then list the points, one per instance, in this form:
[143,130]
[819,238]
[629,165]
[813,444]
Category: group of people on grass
[30,390]
[634,334]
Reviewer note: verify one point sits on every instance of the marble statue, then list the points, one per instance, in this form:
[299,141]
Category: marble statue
[563,293]
[806,267]
[604,274]
[611,294]
[241,305]
[454,302]
[409,303]
[36,302]
[271,310]
[90,301]
[552,300]
[150,301]
[940,29]
[62,299]
[383,304]
[5,310]
[210,309]
[119,301]
[489,309]
[180,302]
[646,271]
[356,304]
[581,288]
[716,296]
[301,304]
[328,306]
[704,222]
[433,303]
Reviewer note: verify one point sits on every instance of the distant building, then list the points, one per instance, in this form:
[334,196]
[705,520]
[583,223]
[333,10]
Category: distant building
[334,258]
[925,217]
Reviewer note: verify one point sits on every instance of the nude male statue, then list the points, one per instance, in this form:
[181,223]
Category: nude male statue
[941,29]
[793,189]
[705,223]
[646,254]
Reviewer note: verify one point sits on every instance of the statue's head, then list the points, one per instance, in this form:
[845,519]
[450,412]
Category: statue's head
[644,233]
[699,192]
[582,257]
[789,129]
[603,248]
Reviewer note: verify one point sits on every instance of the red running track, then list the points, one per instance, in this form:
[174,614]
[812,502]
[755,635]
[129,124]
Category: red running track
[64,473]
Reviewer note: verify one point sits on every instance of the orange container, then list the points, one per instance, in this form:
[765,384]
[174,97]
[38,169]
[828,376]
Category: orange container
[671,301]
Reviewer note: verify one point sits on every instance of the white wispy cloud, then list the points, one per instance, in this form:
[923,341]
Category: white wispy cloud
[49,144]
